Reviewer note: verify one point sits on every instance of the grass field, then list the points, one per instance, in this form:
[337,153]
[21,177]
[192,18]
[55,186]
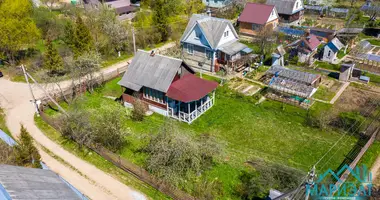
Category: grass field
[271,131]
[326,65]
[374,42]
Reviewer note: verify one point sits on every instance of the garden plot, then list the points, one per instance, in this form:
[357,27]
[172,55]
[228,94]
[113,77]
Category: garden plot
[244,87]
[327,89]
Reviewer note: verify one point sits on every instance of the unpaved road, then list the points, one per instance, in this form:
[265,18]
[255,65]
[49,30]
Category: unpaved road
[96,184]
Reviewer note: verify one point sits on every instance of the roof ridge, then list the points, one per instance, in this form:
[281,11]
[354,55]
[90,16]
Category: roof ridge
[144,51]
[263,4]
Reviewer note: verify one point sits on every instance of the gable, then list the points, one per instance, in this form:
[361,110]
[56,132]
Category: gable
[273,15]
[257,13]
[298,5]
[196,37]
[211,27]
[227,36]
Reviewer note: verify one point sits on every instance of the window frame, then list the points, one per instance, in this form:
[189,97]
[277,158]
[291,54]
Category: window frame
[188,47]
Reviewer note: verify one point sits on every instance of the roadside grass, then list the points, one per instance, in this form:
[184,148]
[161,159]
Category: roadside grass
[374,42]
[272,131]
[111,60]
[3,125]
[341,54]
[326,65]
[90,156]
[323,93]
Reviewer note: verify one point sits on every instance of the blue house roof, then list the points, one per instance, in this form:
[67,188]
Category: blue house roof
[291,31]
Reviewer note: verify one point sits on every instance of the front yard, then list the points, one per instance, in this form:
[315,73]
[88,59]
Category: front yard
[272,131]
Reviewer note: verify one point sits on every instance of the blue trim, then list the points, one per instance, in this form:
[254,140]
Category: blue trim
[332,47]
[4,195]
[7,139]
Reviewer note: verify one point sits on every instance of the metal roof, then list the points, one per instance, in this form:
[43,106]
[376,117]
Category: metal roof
[317,8]
[233,47]
[373,57]
[283,6]
[291,87]
[156,72]
[190,88]
[340,10]
[256,13]
[27,183]
[293,74]
[291,31]
[212,28]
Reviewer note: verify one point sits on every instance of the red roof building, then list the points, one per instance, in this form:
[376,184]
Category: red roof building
[256,16]
[167,86]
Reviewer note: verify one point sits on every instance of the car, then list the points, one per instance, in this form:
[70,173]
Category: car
[1,74]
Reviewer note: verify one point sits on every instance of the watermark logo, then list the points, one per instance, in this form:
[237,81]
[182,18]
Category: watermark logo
[340,185]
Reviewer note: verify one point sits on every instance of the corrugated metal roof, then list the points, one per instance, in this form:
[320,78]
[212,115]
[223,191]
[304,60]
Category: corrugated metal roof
[28,183]
[233,47]
[156,72]
[190,88]
[283,6]
[291,87]
[256,13]
[212,28]
[293,74]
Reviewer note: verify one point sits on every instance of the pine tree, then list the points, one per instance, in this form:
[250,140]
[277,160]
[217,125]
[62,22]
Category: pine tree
[160,19]
[83,41]
[26,153]
[52,60]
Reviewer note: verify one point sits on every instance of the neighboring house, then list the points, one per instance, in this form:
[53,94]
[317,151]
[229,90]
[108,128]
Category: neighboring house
[306,48]
[122,7]
[331,50]
[256,16]
[290,11]
[167,86]
[216,3]
[29,183]
[292,86]
[211,44]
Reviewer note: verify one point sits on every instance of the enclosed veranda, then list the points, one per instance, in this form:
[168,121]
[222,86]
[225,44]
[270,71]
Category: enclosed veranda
[189,97]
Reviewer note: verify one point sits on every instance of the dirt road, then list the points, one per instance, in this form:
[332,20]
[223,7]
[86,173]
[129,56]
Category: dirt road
[15,100]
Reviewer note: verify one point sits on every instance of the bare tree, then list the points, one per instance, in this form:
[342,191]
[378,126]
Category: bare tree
[84,70]
[264,39]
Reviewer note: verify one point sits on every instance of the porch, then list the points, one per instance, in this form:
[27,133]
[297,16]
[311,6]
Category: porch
[233,56]
[188,112]
[189,97]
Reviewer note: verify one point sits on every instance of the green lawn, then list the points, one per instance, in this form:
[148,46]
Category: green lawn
[374,42]
[326,65]
[323,93]
[272,131]
[373,77]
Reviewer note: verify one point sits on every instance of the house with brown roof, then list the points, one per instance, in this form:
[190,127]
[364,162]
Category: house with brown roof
[256,16]
[290,11]
[167,86]
[305,48]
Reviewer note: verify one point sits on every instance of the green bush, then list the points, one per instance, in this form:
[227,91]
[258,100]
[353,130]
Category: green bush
[138,112]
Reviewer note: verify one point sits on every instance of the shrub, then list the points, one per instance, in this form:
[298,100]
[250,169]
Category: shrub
[176,157]
[139,109]
[26,154]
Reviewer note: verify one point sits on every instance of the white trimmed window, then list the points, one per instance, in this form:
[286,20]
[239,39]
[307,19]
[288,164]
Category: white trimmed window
[190,48]
[226,34]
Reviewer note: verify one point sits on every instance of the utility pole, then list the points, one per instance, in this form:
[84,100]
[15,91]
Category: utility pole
[47,94]
[30,89]
[134,40]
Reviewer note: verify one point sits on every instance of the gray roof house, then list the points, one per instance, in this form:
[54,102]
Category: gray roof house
[209,43]
[290,11]
[27,183]
[167,86]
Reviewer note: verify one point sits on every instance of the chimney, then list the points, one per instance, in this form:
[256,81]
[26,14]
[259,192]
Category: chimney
[152,53]
[208,11]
